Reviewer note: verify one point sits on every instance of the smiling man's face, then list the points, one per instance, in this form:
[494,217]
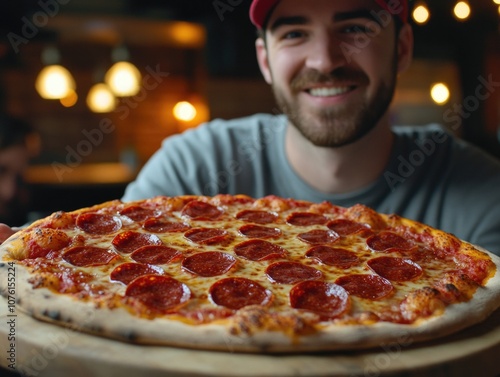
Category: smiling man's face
[332,66]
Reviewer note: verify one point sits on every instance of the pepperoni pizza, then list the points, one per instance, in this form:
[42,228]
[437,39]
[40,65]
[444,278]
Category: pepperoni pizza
[240,274]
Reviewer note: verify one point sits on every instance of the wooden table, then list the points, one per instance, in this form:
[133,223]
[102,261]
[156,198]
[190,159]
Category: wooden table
[45,350]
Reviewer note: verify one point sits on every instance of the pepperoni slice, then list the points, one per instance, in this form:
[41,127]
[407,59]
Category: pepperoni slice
[325,299]
[208,264]
[158,293]
[258,231]
[291,273]
[127,272]
[259,217]
[198,210]
[319,236]
[345,227]
[206,236]
[138,213]
[236,293]
[333,256]
[372,287]
[97,223]
[305,219]
[388,241]
[156,225]
[153,254]
[259,250]
[85,256]
[130,241]
[395,269]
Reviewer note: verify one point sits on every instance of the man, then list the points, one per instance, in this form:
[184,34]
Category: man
[333,66]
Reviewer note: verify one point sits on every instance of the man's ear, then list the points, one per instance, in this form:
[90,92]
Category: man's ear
[262,59]
[405,48]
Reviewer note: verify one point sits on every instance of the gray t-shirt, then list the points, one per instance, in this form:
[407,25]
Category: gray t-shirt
[432,176]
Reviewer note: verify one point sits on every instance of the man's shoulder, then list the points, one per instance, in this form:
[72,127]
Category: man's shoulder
[438,138]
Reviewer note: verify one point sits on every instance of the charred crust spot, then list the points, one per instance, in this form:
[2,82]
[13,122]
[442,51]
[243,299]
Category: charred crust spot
[52,314]
[129,335]
[96,329]
[59,214]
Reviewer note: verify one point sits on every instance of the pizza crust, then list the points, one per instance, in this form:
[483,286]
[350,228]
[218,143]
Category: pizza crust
[118,324]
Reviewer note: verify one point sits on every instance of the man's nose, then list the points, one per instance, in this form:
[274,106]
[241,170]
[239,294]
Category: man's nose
[326,54]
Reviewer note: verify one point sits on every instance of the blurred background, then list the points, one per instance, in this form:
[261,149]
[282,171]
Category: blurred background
[194,60]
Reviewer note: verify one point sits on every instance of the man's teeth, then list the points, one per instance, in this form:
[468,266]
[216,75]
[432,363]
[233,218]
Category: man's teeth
[328,92]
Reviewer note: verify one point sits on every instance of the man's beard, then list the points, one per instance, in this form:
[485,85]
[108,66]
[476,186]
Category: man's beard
[339,125]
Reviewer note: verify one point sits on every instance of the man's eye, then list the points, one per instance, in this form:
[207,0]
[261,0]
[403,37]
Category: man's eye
[293,35]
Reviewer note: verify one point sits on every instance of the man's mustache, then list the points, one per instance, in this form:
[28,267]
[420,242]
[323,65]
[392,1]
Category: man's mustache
[340,76]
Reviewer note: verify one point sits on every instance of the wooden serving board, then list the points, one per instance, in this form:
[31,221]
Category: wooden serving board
[43,349]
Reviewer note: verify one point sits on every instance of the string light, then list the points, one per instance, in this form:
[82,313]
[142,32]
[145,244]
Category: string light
[421,13]
[462,10]
[184,111]
[440,93]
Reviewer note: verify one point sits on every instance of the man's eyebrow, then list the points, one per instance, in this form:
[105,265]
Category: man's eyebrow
[341,16]
[292,20]
[361,13]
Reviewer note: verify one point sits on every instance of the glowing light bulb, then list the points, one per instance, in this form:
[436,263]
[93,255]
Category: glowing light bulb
[70,100]
[123,78]
[421,14]
[100,99]
[462,10]
[184,111]
[54,82]
[440,93]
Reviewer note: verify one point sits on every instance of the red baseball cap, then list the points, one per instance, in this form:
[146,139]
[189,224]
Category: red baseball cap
[260,9]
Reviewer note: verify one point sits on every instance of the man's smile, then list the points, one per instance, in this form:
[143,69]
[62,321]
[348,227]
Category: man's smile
[329,91]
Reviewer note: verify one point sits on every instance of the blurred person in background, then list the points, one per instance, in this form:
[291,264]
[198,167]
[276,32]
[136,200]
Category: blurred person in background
[16,150]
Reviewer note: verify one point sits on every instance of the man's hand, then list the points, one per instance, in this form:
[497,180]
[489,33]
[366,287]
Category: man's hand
[6,231]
